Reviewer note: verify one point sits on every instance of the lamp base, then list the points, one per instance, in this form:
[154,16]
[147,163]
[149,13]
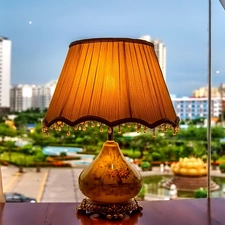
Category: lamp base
[109,210]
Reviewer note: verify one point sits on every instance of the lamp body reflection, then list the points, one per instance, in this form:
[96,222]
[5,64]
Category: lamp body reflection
[111,81]
[96,220]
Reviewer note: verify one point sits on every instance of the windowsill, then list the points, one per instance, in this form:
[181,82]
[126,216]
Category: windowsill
[173,212]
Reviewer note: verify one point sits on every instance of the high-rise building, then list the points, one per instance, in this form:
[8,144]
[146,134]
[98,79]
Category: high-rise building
[5,74]
[24,96]
[160,50]
[21,97]
[44,94]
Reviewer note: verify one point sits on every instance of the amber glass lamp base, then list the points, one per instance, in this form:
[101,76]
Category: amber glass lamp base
[110,183]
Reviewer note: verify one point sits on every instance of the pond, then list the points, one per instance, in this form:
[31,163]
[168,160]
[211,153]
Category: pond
[56,150]
[153,187]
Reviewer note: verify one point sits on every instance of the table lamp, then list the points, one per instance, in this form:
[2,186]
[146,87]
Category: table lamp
[110,82]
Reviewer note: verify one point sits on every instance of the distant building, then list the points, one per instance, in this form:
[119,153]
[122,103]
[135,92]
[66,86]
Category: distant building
[44,94]
[24,96]
[5,74]
[160,50]
[193,108]
[216,92]
[203,92]
[21,97]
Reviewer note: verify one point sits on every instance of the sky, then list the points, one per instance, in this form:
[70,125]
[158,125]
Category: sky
[41,31]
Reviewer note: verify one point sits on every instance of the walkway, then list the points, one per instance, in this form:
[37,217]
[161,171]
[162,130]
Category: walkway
[49,185]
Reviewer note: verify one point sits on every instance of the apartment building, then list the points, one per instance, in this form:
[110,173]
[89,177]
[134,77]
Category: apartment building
[24,96]
[192,108]
[5,74]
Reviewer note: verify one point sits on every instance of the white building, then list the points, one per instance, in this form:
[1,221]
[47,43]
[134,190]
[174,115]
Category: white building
[160,50]
[21,97]
[5,73]
[24,96]
[193,108]
[45,94]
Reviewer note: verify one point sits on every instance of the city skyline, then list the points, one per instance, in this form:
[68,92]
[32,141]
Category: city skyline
[42,31]
[25,97]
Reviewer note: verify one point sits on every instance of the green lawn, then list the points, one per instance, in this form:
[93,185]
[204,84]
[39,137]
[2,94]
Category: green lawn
[221,160]
[130,153]
[17,158]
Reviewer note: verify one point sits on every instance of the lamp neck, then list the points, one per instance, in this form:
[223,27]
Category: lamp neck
[110,134]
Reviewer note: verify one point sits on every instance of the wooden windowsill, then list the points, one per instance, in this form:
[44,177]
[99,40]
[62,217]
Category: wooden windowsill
[173,212]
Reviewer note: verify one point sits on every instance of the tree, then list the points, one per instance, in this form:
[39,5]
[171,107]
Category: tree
[32,116]
[218,133]
[39,158]
[40,139]
[26,150]
[6,131]
[197,121]
[140,143]
[9,145]
[214,158]
[145,142]
[1,151]
[192,133]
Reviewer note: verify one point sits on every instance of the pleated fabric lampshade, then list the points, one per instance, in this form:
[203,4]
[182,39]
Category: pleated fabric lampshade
[113,81]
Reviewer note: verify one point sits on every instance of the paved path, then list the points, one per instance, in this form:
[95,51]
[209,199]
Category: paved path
[49,185]
[62,186]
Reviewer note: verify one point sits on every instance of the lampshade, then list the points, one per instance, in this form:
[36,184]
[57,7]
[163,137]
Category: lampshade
[113,81]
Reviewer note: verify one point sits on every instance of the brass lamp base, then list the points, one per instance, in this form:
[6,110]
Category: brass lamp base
[109,210]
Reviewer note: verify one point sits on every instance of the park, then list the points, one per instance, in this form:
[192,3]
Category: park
[24,147]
